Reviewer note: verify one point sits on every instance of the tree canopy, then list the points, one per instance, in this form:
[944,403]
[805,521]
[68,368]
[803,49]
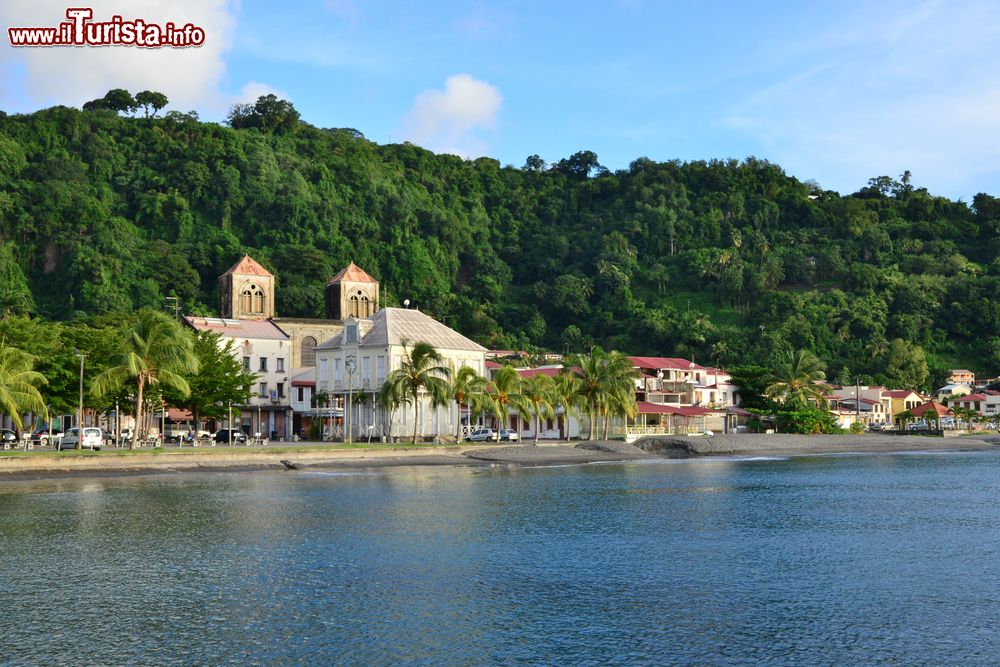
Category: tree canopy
[732,261]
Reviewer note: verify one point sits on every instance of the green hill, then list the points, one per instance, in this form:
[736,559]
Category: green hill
[725,261]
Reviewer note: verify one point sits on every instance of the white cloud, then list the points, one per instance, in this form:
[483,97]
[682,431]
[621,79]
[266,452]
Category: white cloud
[190,77]
[886,92]
[451,120]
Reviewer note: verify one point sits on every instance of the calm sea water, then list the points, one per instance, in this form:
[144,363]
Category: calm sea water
[874,559]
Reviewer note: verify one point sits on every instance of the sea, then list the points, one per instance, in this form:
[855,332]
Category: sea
[865,559]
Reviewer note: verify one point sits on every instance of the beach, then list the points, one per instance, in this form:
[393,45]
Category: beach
[119,462]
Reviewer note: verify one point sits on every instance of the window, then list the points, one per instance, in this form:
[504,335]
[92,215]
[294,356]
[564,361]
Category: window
[380,368]
[300,394]
[323,376]
[263,390]
[252,300]
[246,363]
[351,333]
[337,376]
[307,352]
[366,368]
[281,390]
[280,364]
[263,364]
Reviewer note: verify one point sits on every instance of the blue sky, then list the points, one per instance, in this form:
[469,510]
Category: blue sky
[836,92]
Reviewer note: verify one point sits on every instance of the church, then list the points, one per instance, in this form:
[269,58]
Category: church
[282,350]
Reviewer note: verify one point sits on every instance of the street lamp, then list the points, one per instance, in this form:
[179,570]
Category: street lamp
[351,364]
[79,414]
[230,424]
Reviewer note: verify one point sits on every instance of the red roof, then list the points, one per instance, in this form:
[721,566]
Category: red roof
[354,273]
[899,393]
[972,397]
[931,406]
[177,414]
[674,363]
[645,408]
[248,266]
[493,364]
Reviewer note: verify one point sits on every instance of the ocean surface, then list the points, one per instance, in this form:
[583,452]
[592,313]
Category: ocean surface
[826,560]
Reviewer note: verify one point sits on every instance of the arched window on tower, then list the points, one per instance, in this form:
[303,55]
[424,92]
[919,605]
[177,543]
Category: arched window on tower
[307,352]
[352,307]
[258,300]
[366,307]
[246,301]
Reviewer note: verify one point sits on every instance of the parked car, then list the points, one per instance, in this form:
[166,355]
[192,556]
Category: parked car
[124,436]
[8,437]
[509,435]
[881,426]
[44,436]
[481,435]
[223,435]
[917,426]
[92,439]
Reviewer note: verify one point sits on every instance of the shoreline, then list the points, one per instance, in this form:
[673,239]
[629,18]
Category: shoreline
[53,466]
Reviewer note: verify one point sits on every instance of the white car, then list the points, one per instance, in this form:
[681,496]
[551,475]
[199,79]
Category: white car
[481,435]
[509,435]
[92,439]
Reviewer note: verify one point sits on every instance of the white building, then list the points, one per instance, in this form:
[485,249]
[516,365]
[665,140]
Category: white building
[352,366]
[263,349]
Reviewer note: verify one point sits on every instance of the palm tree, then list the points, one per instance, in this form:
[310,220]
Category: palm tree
[567,390]
[800,380]
[159,352]
[507,393]
[19,384]
[420,370]
[904,418]
[619,396]
[540,390]
[466,388]
[607,387]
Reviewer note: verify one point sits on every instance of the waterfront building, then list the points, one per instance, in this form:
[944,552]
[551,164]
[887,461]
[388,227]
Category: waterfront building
[352,366]
[986,403]
[282,350]
[901,400]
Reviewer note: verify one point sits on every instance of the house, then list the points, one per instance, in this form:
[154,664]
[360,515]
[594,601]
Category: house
[265,350]
[304,413]
[986,403]
[951,391]
[931,411]
[668,380]
[962,376]
[901,400]
[353,365]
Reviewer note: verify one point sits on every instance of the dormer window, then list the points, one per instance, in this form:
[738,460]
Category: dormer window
[351,333]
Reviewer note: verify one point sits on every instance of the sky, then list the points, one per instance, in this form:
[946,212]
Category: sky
[837,92]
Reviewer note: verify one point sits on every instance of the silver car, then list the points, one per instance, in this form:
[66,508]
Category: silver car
[92,439]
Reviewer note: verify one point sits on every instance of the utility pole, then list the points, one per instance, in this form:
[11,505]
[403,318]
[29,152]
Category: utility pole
[79,413]
[173,303]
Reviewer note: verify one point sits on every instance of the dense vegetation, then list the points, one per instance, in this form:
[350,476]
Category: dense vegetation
[724,261]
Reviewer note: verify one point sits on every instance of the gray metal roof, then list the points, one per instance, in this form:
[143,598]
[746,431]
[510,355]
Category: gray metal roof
[394,326]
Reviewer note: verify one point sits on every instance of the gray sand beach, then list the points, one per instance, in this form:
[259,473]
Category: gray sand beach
[544,454]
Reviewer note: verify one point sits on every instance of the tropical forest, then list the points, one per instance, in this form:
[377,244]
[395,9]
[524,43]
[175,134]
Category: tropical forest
[124,205]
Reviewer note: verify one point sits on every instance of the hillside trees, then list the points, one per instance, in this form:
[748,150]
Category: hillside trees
[102,213]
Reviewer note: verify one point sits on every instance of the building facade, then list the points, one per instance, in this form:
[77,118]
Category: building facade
[353,365]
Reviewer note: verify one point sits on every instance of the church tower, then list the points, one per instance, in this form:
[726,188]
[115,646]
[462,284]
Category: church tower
[246,291]
[351,293]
